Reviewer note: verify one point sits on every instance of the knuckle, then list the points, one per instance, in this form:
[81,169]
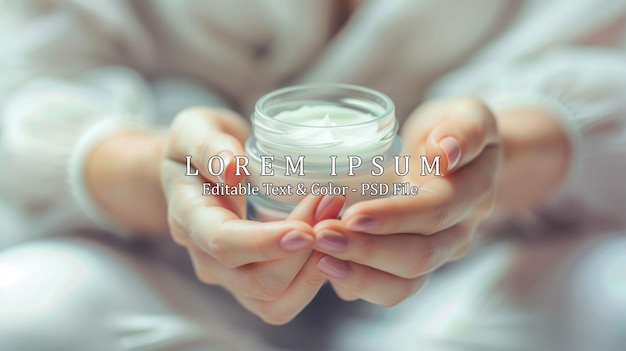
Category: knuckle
[185,116]
[464,240]
[275,316]
[475,127]
[201,272]
[266,294]
[179,235]
[391,302]
[358,284]
[473,105]
[483,121]
[463,250]
[441,217]
[218,249]
[424,263]
[465,236]
[490,124]
[261,251]
[345,295]
[402,291]
[202,147]
[315,281]
[203,276]
[400,211]
[368,250]
[264,287]
[193,112]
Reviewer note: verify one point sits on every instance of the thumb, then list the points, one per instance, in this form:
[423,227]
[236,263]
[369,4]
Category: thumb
[462,134]
[213,139]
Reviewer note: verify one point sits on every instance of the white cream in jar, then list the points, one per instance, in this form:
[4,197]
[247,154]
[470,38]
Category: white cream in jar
[326,127]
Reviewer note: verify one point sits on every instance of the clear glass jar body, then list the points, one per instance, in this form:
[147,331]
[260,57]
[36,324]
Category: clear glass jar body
[329,126]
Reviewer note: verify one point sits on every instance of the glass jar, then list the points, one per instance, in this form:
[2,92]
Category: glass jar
[312,138]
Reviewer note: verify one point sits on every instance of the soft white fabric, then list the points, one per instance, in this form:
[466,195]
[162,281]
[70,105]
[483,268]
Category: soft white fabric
[73,71]
[62,75]
[79,294]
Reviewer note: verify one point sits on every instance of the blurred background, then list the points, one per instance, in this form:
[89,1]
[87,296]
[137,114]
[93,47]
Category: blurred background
[74,71]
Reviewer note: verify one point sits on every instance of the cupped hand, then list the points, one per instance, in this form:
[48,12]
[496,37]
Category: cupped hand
[382,250]
[268,267]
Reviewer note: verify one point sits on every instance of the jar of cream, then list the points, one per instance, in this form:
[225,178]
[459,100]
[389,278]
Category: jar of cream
[321,139]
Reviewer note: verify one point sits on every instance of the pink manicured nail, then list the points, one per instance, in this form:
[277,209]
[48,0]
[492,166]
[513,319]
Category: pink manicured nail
[452,148]
[227,156]
[362,223]
[333,267]
[295,240]
[329,207]
[331,241]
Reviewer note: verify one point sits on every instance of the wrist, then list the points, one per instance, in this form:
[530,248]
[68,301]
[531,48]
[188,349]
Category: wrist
[537,155]
[122,175]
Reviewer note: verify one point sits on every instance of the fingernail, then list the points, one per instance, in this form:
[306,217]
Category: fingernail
[362,223]
[295,240]
[329,207]
[333,267]
[331,241]
[452,148]
[227,157]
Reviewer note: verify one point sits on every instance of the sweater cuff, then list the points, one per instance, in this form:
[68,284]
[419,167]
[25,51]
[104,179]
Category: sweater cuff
[83,197]
[501,102]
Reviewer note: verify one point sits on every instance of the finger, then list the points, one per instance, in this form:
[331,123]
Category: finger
[190,132]
[293,300]
[260,281]
[232,241]
[344,294]
[203,133]
[275,276]
[235,242]
[469,128]
[184,198]
[417,126]
[203,266]
[440,203]
[307,211]
[463,129]
[404,255]
[313,209]
[182,194]
[209,223]
[367,283]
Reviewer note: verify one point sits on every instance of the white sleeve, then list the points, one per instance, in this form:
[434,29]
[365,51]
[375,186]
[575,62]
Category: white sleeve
[62,89]
[586,88]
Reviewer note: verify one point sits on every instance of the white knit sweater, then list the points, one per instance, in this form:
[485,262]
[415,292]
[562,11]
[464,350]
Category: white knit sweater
[73,71]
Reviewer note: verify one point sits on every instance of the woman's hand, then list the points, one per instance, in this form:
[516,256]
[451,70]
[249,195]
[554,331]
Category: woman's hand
[383,249]
[264,265]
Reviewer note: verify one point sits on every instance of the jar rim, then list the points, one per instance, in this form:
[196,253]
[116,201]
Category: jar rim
[383,100]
